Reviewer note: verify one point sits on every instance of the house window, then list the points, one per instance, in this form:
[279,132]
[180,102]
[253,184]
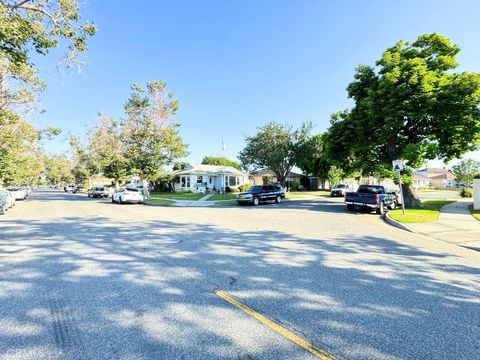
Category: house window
[211,179]
[185,181]
[232,181]
[177,180]
[199,179]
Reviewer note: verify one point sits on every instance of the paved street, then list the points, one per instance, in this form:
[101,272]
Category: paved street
[86,279]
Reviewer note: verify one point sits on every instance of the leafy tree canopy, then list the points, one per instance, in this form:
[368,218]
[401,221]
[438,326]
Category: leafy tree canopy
[150,133]
[220,160]
[275,147]
[466,170]
[410,106]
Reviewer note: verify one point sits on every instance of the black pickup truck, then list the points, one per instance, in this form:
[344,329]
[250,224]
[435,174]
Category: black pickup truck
[371,197]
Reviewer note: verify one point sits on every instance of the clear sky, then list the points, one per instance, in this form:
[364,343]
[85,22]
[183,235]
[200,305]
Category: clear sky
[235,65]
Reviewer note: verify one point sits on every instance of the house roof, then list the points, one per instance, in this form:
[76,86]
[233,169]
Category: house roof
[266,172]
[209,170]
[446,176]
[421,177]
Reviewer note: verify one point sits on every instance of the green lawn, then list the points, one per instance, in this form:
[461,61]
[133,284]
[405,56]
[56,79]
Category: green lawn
[160,202]
[428,213]
[217,197]
[177,195]
[303,194]
[475,213]
[436,190]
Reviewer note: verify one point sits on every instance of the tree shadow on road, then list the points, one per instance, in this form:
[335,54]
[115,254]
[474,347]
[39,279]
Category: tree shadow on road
[97,288]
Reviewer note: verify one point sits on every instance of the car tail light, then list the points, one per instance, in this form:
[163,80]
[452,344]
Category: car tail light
[377,198]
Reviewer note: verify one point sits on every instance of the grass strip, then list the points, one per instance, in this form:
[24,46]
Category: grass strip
[475,213]
[429,212]
[159,202]
[178,195]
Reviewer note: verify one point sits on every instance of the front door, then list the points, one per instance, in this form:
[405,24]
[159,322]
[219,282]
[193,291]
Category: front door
[185,182]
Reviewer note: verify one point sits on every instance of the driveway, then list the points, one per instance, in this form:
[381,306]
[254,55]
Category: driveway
[86,279]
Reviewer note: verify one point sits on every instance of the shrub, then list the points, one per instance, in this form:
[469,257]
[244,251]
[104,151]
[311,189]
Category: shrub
[294,185]
[267,179]
[476,176]
[466,193]
[244,187]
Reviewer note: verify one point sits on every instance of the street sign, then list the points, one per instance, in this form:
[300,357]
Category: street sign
[397,165]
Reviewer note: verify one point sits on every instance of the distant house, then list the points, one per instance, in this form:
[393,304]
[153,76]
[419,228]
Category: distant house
[440,178]
[259,175]
[421,181]
[204,178]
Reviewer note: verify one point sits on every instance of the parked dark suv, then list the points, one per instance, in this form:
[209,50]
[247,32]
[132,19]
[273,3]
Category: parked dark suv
[261,193]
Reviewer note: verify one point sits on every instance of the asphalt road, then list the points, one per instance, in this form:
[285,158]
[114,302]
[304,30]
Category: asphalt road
[86,279]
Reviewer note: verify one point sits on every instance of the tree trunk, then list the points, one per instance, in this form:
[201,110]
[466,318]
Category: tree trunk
[146,193]
[117,185]
[410,196]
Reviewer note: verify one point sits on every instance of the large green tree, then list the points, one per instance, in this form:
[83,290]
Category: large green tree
[466,170]
[410,106]
[313,158]
[220,160]
[26,27]
[275,147]
[107,149]
[150,132]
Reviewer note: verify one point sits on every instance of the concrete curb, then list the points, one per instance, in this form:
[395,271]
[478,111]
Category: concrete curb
[397,224]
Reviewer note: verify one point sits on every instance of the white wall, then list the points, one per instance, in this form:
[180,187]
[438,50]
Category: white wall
[476,194]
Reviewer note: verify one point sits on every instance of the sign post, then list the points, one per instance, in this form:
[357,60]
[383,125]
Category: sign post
[398,166]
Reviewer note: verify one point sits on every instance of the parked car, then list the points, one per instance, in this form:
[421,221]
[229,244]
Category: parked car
[79,190]
[9,198]
[261,193]
[18,193]
[340,190]
[100,191]
[69,187]
[128,195]
[371,197]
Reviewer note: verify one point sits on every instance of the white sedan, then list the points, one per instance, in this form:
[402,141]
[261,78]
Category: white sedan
[127,195]
[18,193]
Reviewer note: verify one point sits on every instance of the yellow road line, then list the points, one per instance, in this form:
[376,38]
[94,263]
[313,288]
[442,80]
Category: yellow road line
[276,327]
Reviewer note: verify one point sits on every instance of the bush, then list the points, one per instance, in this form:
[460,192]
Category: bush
[476,176]
[294,186]
[244,187]
[466,193]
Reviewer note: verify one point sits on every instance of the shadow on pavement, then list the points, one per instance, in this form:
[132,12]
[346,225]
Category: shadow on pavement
[104,289]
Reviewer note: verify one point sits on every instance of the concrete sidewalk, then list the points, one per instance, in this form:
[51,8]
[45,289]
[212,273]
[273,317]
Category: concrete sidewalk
[454,225]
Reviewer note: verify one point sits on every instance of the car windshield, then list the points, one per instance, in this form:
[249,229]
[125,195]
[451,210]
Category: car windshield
[132,189]
[340,186]
[254,189]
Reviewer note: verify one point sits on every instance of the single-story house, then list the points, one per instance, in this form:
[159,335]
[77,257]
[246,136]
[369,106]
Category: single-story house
[260,174]
[204,178]
[443,181]
[440,178]
[421,181]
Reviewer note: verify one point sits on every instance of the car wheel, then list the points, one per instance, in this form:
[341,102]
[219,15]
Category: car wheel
[393,206]
[350,207]
[381,209]
[278,199]
[256,201]
[2,210]
[120,200]
[113,201]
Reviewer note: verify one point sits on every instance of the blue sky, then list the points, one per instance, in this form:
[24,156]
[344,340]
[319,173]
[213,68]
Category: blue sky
[235,65]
